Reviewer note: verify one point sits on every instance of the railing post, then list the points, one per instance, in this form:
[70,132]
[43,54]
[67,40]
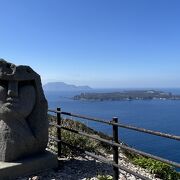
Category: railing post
[115,149]
[59,131]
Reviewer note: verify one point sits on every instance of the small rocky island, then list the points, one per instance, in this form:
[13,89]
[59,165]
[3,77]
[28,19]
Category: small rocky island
[128,96]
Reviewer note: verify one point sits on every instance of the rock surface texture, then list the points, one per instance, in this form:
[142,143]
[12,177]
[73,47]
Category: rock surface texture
[23,113]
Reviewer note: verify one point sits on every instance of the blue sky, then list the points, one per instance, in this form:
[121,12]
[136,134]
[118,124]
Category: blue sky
[101,43]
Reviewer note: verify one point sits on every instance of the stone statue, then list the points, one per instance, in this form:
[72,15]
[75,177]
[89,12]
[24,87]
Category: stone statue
[23,113]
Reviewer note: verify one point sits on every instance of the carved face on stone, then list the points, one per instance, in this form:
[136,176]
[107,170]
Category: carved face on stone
[17,99]
[23,112]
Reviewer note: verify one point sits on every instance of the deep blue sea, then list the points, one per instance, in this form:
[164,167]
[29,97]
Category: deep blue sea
[159,115]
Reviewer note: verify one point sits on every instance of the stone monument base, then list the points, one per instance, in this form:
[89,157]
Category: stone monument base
[28,166]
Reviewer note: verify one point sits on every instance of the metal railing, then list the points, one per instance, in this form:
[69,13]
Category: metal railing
[114,142]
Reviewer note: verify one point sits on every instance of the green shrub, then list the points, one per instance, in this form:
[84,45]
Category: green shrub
[162,170]
[77,141]
[104,177]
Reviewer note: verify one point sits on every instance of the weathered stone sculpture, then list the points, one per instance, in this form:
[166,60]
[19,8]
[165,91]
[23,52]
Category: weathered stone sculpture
[23,112]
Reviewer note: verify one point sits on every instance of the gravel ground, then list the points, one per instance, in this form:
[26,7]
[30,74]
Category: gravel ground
[86,168]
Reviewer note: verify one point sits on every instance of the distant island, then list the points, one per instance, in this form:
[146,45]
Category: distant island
[128,96]
[61,86]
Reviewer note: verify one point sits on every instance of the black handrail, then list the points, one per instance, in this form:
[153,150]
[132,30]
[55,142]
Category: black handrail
[115,143]
[143,130]
[156,133]
[112,143]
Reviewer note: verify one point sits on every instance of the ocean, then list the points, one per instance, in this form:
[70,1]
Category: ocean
[158,115]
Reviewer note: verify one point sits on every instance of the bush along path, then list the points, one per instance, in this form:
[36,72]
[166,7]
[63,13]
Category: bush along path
[75,166]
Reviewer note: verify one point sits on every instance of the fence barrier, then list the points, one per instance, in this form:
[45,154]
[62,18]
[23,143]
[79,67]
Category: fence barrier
[114,142]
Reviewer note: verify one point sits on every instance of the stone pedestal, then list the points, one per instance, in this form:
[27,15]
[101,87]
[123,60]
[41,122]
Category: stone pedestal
[28,166]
